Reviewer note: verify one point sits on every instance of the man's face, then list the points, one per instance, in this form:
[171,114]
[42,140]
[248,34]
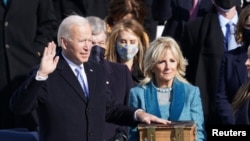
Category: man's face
[99,40]
[77,49]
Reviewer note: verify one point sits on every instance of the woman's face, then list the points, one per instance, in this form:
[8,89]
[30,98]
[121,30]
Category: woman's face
[165,69]
[127,38]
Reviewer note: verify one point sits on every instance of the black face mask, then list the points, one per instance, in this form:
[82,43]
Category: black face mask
[225,4]
[246,36]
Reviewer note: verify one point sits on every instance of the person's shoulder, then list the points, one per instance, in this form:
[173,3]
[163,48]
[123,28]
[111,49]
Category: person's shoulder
[95,65]
[139,88]
[117,65]
[237,51]
[191,90]
[190,86]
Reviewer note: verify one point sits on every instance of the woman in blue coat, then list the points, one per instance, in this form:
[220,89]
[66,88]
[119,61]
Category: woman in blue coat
[165,92]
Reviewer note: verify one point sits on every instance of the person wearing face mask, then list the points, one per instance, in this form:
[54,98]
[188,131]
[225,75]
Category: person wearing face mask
[203,44]
[118,77]
[233,72]
[127,45]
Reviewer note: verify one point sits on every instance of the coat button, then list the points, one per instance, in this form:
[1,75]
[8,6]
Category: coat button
[91,134]
[39,54]
[6,23]
[88,110]
[7,46]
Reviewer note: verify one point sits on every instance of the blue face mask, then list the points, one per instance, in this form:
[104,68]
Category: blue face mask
[126,52]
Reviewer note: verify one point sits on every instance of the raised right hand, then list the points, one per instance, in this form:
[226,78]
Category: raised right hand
[49,61]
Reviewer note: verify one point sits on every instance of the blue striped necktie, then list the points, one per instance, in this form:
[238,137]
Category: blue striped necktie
[231,43]
[81,80]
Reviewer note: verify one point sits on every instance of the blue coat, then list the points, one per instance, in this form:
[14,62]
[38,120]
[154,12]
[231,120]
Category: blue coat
[232,75]
[185,105]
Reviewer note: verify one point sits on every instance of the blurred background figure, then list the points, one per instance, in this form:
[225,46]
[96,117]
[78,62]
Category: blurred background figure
[119,80]
[140,9]
[233,72]
[127,45]
[174,14]
[150,24]
[165,92]
[203,44]
[84,8]
[26,27]
[126,9]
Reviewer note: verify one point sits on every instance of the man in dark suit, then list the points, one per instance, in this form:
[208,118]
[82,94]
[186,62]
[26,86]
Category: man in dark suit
[119,80]
[26,28]
[203,46]
[68,111]
[176,13]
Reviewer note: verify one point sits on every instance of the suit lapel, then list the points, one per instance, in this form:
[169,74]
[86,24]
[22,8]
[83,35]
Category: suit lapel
[109,70]
[178,100]
[90,73]
[69,76]
[241,68]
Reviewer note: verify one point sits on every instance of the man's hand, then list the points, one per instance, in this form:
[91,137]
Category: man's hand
[147,118]
[48,61]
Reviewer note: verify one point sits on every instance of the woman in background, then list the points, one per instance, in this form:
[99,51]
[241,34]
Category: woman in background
[127,45]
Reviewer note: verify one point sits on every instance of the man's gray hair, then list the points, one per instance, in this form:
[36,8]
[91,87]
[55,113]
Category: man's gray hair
[97,25]
[66,25]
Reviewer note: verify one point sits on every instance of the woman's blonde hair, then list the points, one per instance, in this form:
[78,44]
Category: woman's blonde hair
[154,53]
[133,27]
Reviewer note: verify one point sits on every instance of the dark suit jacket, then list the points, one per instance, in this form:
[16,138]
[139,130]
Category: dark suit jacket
[26,28]
[176,13]
[119,81]
[81,7]
[242,116]
[203,46]
[232,75]
[65,114]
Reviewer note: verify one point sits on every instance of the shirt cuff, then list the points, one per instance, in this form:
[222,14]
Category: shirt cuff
[135,117]
[40,78]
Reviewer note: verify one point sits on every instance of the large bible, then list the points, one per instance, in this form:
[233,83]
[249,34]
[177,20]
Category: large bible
[176,131]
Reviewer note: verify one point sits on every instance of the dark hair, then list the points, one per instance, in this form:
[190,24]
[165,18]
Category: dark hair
[244,14]
[117,9]
[242,95]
